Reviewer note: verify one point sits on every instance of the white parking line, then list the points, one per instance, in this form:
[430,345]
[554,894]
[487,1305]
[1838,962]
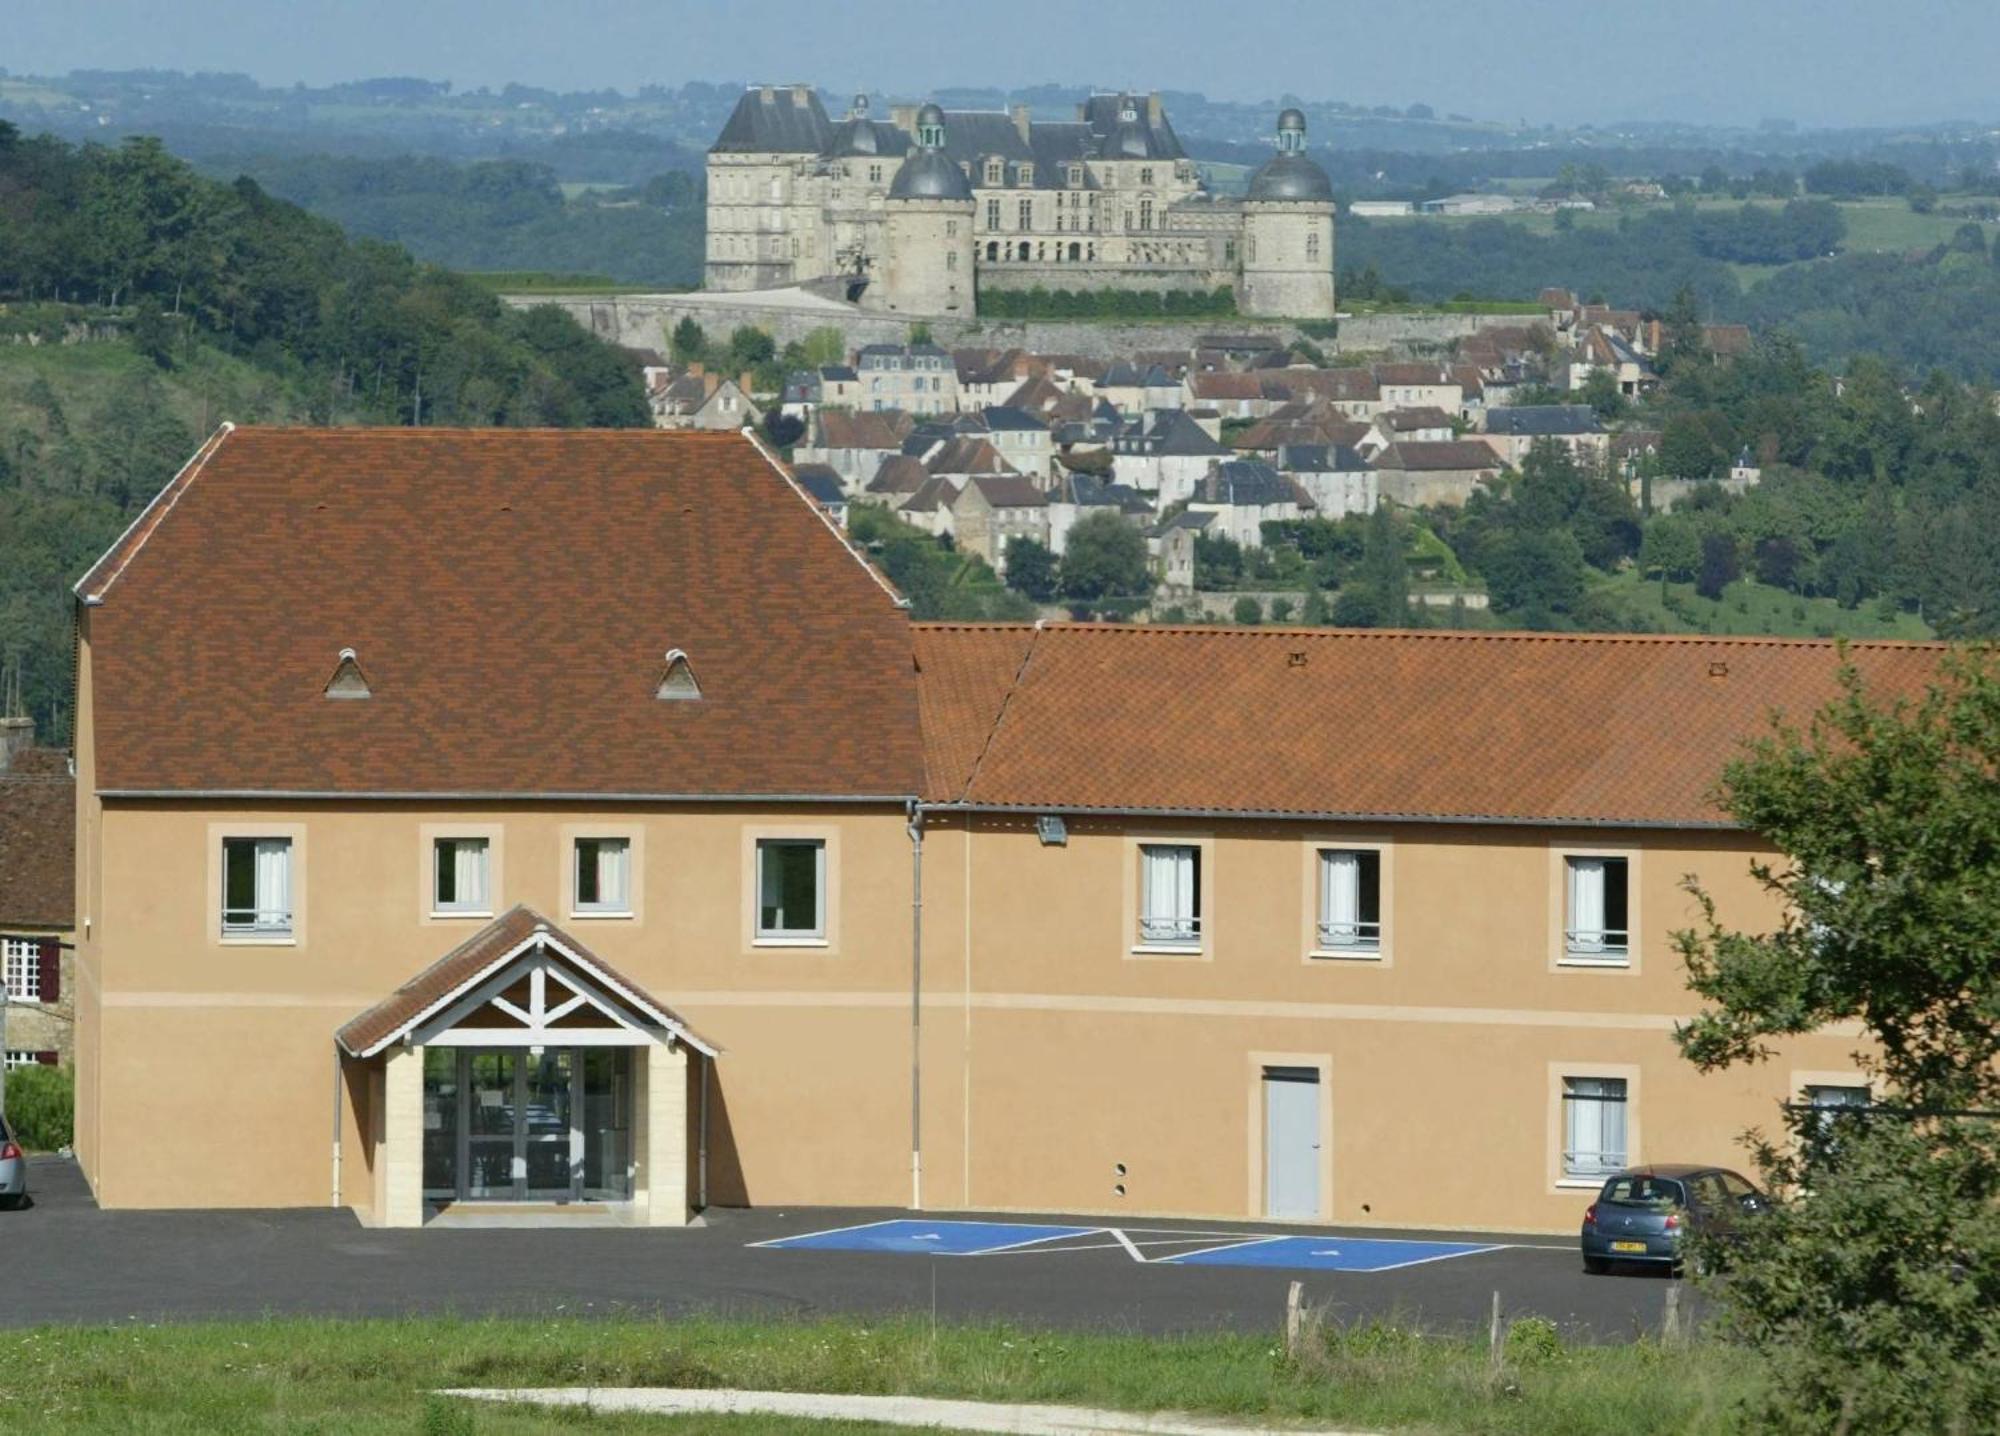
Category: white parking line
[1130,1246]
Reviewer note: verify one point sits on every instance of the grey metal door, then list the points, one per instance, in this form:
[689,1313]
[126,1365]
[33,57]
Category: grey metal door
[1291,1142]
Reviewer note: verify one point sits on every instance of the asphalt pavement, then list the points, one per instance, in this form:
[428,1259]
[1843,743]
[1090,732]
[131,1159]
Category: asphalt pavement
[67,1261]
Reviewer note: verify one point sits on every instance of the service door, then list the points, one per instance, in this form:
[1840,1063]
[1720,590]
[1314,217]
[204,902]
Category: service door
[1291,1142]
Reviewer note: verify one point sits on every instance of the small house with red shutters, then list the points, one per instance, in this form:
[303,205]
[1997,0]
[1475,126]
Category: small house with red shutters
[37,895]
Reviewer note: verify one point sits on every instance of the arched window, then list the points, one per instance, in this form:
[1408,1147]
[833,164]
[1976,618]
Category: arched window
[1076,251]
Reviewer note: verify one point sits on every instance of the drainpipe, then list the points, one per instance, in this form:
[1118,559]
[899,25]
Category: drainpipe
[336,1125]
[915,827]
[701,1163]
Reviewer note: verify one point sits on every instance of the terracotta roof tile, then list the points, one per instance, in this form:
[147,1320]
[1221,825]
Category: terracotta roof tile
[38,841]
[458,969]
[964,672]
[1533,728]
[510,595]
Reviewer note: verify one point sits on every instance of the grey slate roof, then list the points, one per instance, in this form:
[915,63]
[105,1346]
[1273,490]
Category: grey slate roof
[1003,416]
[821,482]
[1247,482]
[1136,140]
[1170,434]
[1290,177]
[867,138]
[929,174]
[1322,459]
[776,120]
[1543,420]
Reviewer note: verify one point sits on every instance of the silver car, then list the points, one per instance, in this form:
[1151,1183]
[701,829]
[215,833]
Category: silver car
[13,1169]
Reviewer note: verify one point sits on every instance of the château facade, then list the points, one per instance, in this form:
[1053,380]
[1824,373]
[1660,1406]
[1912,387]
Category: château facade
[918,213]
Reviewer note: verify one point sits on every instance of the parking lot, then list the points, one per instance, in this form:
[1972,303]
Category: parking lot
[69,1262]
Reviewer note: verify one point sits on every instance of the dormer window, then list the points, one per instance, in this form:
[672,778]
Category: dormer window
[677,679]
[1076,176]
[347,681]
[1027,174]
[993,171]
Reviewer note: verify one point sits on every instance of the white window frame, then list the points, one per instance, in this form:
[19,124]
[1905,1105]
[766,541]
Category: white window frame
[19,1057]
[1585,944]
[1339,935]
[621,905]
[482,905]
[1579,1166]
[273,918]
[22,970]
[816,935]
[1170,922]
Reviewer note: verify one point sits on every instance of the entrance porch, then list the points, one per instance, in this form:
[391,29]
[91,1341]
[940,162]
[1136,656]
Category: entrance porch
[520,1072]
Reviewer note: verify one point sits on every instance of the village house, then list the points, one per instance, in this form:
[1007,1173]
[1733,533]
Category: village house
[1166,455]
[1078,493]
[1170,546]
[1339,479]
[854,444]
[1417,475]
[1244,495]
[1023,439]
[990,510]
[637,915]
[1419,386]
[700,399]
[37,897]
[1605,350]
[916,378]
[1408,426]
[1513,431]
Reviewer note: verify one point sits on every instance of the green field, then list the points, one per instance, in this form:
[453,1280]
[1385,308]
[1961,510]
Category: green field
[380,1376]
[1752,608]
[202,392]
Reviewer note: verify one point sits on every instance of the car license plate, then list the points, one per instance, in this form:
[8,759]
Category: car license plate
[1628,1246]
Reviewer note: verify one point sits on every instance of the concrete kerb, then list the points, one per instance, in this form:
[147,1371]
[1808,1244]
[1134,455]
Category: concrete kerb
[912,1411]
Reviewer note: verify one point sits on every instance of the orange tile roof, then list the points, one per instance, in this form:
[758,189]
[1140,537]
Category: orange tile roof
[511,596]
[1509,727]
[964,672]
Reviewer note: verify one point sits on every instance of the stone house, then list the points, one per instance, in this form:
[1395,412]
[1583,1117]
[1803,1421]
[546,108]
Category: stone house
[1078,493]
[1418,475]
[701,399]
[1245,494]
[854,444]
[1166,454]
[1419,386]
[991,510]
[916,378]
[1338,477]
[37,896]
[1513,431]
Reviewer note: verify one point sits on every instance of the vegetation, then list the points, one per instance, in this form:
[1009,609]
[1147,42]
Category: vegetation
[1040,303]
[145,304]
[1105,557]
[1872,1289]
[498,214]
[377,1376]
[41,1103]
[938,581]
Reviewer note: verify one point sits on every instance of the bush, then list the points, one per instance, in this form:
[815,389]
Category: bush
[41,1105]
[1248,610]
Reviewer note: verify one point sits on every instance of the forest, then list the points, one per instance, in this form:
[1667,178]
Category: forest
[141,303]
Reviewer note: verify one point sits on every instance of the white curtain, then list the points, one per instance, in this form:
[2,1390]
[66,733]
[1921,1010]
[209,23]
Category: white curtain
[1594,1125]
[1586,904]
[1340,898]
[274,883]
[1169,895]
[469,873]
[613,864]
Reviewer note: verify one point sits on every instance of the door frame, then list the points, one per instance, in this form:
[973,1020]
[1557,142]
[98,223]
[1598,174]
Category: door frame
[1254,1202]
[518,1190]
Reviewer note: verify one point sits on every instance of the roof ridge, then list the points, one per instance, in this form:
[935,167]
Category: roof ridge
[147,520]
[1514,635]
[784,472]
[1000,714]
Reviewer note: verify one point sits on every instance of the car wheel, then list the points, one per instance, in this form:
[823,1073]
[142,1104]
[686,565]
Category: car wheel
[8,1204]
[1596,1266]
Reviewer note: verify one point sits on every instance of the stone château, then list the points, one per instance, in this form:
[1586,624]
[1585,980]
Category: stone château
[919,213]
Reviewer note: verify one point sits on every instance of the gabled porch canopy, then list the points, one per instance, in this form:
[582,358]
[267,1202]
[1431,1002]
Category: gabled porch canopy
[520,981]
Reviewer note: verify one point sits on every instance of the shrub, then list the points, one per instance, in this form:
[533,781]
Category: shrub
[1248,610]
[41,1105]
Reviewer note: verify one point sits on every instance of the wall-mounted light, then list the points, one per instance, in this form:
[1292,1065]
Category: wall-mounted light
[1052,830]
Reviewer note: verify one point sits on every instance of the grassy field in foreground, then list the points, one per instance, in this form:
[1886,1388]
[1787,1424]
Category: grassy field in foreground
[378,1376]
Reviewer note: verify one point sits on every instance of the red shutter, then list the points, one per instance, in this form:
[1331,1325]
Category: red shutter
[49,960]
[47,1059]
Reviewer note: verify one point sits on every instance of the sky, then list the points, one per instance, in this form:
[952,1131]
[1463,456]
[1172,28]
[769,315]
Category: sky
[1819,62]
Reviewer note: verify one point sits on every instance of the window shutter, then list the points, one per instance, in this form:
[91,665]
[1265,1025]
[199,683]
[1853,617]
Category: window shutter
[48,958]
[47,1059]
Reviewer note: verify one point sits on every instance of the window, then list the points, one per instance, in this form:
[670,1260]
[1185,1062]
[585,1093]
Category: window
[257,887]
[1593,1127]
[874,174]
[604,876]
[23,969]
[1169,895]
[1312,245]
[1830,1104]
[1350,901]
[951,229]
[1025,174]
[993,214]
[21,1057]
[993,172]
[791,889]
[460,878]
[1145,214]
[951,259]
[1146,174]
[1597,906]
[1027,214]
[1075,176]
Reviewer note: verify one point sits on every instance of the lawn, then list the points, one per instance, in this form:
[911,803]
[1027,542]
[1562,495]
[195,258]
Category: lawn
[1748,607]
[378,1376]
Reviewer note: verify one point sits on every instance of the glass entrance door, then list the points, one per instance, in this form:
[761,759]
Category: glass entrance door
[515,1125]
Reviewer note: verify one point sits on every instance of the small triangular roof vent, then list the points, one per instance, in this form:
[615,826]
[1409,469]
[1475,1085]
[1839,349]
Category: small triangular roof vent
[348,681]
[677,679]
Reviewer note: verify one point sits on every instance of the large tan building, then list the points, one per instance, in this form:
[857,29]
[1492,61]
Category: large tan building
[918,213]
[541,817]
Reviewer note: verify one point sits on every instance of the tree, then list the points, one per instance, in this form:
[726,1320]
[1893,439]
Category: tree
[1535,574]
[1721,565]
[1031,569]
[1248,610]
[1218,561]
[1872,1287]
[1671,549]
[1383,573]
[688,344]
[1104,558]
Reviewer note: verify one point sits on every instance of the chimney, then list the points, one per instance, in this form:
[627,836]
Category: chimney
[17,735]
[801,97]
[904,118]
[710,383]
[1153,111]
[696,369]
[1020,113]
[743,383]
[766,94]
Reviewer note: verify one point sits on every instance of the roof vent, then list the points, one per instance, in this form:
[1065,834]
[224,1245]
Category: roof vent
[677,681]
[1718,669]
[348,681]
[1296,658]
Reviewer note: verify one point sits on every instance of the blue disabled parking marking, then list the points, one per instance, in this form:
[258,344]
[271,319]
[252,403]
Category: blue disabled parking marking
[1326,1253]
[936,1238]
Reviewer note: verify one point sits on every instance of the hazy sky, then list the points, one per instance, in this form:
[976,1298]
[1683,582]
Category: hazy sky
[1817,61]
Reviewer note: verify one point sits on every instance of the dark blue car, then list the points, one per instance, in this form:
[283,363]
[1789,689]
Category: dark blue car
[1646,1214]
